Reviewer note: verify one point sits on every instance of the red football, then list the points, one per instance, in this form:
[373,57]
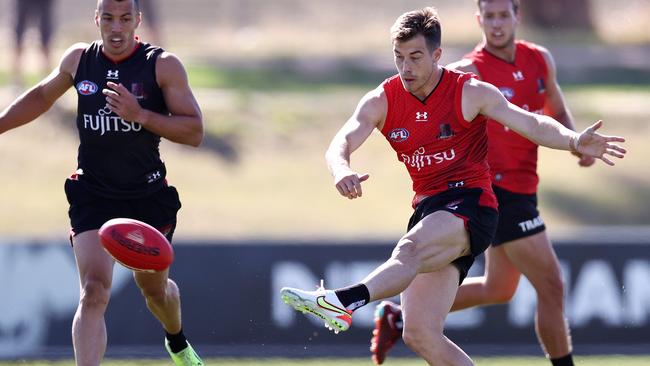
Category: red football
[136,245]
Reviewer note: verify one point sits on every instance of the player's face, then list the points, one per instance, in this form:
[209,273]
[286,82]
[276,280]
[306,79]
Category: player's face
[499,21]
[416,64]
[117,22]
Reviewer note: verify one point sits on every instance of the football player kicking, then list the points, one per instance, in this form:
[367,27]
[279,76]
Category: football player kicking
[525,74]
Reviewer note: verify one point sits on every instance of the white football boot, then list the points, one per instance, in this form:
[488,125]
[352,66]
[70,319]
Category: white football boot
[321,303]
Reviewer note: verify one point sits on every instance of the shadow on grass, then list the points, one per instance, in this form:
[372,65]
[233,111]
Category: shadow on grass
[222,145]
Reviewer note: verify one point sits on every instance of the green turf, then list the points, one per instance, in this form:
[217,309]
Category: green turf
[281,75]
[267,146]
[480,361]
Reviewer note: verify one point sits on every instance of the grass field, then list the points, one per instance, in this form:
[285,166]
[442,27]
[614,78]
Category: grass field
[277,139]
[485,361]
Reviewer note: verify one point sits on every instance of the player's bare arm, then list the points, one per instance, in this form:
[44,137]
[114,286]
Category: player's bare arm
[37,100]
[555,104]
[370,114]
[483,98]
[184,125]
[464,65]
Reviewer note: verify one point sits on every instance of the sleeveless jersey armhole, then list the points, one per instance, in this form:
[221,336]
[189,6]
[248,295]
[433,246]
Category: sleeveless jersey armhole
[82,61]
[388,122]
[458,100]
[156,55]
[537,54]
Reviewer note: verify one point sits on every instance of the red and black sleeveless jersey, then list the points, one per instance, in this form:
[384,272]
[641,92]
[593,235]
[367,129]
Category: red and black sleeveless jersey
[512,157]
[118,158]
[440,149]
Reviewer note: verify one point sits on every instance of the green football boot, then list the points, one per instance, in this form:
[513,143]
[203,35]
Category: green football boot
[186,357]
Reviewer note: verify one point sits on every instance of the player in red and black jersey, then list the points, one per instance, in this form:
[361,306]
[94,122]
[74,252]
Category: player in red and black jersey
[525,74]
[130,94]
[435,120]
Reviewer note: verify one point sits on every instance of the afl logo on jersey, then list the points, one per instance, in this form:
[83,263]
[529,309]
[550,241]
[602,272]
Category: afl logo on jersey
[508,93]
[86,87]
[398,134]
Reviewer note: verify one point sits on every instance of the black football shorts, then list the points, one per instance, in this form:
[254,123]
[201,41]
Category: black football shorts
[518,216]
[89,211]
[480,221]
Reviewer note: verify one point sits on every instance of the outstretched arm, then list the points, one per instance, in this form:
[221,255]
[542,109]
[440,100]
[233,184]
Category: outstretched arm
[370,114]
[184,125]
[483,98]
[464,65]
[37,100]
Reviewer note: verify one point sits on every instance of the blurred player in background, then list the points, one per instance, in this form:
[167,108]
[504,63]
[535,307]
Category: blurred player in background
[27,12]
[130,94]
[436,121]
[525,74]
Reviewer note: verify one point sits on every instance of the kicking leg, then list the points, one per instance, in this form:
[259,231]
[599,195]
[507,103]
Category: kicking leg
[430,245]
[433,243]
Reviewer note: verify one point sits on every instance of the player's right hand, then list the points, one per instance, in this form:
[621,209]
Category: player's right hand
[348,183]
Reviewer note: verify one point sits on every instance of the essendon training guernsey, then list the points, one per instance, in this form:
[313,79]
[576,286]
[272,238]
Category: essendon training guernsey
[118,158]
[512,157]
[441,150]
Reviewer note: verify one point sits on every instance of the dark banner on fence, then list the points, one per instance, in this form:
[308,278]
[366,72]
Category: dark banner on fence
[230,295]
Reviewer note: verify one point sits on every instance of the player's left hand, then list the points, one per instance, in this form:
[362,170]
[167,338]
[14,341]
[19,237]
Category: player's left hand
[121,101]
[593,144]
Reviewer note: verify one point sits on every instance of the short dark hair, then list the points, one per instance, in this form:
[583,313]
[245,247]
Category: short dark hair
[424,21]
[136,3]
[515,4]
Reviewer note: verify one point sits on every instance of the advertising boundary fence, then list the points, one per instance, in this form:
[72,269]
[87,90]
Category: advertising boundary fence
[231,304]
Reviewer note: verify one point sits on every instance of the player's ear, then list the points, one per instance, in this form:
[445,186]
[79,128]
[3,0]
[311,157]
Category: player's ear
[479,20]
[138,19]
[517,16]
[437,53]
[97,18]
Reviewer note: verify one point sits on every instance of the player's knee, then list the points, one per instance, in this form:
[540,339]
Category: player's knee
[95,293]
[551,288]
[422,340]
[406,251]
[501,294]
[412,340]
[160,293]
[156,294]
